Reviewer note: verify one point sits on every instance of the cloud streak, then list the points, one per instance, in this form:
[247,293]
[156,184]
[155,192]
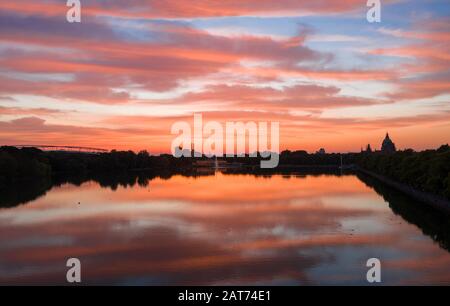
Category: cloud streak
[129,71]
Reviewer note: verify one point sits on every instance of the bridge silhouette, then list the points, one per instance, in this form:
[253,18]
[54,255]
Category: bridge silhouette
[72,149]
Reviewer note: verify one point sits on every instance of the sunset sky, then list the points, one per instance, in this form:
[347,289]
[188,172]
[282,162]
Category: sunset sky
[130,69]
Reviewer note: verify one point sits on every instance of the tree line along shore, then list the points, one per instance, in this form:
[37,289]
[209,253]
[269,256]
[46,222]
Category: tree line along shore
[427,171]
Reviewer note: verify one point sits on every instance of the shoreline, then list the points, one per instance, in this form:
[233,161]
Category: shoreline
[430,199]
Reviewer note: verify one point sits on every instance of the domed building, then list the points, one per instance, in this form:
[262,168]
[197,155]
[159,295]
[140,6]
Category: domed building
[388,146]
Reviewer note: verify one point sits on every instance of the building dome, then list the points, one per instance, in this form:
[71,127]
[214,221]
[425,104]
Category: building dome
[388,146]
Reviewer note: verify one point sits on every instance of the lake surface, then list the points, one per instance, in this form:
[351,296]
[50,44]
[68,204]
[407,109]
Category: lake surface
[223,229]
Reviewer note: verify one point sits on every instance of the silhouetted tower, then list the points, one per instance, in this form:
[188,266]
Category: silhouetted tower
[388,146]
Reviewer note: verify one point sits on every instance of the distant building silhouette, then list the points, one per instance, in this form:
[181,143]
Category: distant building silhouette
[388,146]
[321,151]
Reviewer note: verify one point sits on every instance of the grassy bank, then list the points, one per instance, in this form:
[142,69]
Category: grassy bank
[426,171]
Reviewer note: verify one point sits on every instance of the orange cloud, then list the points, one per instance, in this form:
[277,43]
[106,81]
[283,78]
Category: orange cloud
[245,77]
[182,9]
[429,46]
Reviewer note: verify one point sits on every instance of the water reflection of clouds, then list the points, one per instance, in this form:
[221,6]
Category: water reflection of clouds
[184,232]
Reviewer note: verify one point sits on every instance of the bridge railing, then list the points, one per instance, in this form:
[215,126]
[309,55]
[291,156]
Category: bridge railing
[74,149]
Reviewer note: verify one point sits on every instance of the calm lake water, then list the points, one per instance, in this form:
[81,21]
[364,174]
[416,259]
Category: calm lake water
[223,229]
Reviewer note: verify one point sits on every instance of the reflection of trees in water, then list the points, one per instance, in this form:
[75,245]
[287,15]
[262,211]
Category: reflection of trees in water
[24,192]
[126,179]
[433,223]
[29,190]
[288,171]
